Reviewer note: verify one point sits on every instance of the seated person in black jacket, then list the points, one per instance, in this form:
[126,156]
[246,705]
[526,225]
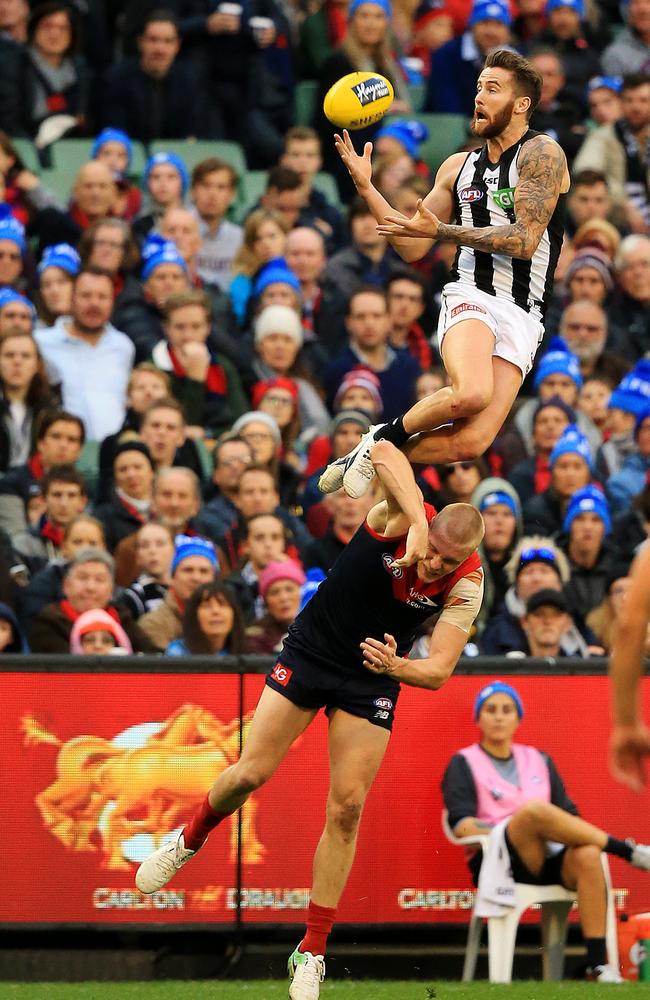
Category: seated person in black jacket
[130,504]
[154,551]
[264,540]
[572,466]
[587,525]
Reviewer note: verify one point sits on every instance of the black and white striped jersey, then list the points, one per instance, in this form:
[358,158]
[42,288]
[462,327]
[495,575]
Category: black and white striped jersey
[484,195]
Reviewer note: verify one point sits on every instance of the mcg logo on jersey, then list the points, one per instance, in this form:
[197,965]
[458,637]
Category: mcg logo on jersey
[470,194]
[395,571]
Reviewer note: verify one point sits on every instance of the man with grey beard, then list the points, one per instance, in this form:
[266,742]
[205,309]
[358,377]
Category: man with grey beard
[584,328]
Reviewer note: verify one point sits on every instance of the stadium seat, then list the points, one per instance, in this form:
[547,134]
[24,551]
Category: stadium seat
[193,152]
[59,183]
[325,182]
[252,187]
[305,101]
[446,134]
[27,152]
[69,155]
[555,902]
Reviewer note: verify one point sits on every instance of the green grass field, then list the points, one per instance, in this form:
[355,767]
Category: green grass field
[276,990]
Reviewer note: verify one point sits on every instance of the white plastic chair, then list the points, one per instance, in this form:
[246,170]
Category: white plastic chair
[555,902]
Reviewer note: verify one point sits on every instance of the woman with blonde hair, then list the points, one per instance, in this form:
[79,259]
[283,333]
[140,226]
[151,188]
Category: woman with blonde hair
[265,236]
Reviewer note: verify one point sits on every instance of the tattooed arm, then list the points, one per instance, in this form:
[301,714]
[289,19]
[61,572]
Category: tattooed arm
[543,176]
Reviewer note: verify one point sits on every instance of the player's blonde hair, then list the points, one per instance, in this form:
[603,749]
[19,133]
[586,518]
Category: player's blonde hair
[462,524]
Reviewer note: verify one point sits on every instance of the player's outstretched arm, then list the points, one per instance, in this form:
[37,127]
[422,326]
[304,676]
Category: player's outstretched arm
[542,177]
[359,167]
[630,740]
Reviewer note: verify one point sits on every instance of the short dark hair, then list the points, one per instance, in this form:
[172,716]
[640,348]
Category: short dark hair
[413,276]
[528,81]
[247,522]
[365,290]
[164,403]
[358,209]
[258,467]
[633,80]
[227,438]
[588,178]
[300,133]
[194,638]
[214,165]
[283,179]
[64,474]
[160,14]
[97,272]
[54,416]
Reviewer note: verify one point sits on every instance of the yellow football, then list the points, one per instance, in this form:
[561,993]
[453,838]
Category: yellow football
[358,100]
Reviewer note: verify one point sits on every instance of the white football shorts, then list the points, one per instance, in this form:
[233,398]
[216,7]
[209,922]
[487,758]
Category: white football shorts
[517,334]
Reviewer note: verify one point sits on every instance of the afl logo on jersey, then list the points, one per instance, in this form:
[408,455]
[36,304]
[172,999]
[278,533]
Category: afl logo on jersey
[395,571]
[470,194]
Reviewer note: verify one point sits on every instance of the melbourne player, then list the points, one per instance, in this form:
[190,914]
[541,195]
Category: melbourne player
[346,653]
[506,201]
[630,741]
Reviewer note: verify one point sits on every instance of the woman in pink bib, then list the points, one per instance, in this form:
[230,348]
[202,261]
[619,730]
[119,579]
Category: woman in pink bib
[497,780]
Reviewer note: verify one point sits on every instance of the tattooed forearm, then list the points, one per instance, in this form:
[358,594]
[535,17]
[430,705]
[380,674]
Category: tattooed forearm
[513,241]
[542,166]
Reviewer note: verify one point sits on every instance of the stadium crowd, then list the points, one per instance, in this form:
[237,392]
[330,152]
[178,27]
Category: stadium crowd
[186,340]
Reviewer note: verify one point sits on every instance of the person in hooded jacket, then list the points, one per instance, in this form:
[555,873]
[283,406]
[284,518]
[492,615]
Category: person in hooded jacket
[501,509]
[12,639]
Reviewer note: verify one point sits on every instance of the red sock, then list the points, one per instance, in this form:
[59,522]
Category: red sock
[198,828]
[319,925]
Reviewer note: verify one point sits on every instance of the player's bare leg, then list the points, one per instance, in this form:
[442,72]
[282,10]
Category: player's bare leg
[277,723]
[473,436]
[356,749]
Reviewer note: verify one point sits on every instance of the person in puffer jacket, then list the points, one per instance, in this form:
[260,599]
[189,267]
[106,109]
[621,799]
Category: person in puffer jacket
[500,506]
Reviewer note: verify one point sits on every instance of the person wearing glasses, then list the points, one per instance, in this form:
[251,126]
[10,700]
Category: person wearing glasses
[230,456]
[536,564]
[261,431]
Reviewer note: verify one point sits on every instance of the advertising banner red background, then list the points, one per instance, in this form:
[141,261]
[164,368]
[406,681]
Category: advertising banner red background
[92,767]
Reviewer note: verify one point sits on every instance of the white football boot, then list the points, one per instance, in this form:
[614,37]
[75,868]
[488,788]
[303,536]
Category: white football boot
[360,471]
[604,974]
[306,972]
[332,478]
[641,857]
[156,870]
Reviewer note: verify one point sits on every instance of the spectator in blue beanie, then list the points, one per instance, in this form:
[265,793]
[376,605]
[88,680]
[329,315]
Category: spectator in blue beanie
[12,247]
[532,475]
[456,65]
[576,43]
[501,509]
[572,466]
[586,527]
[629,399]
[17,314]
[56,271]
[631,478]
[603,96]
[114,148]
[557,375]
[165,181]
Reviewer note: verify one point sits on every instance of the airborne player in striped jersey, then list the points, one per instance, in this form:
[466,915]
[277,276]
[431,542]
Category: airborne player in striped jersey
[506,201]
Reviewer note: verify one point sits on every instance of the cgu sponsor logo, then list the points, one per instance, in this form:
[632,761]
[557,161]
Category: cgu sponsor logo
[470,194]
[505,198]
[370,90]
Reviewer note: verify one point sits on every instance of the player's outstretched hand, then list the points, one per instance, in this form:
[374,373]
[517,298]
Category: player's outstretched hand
[358,167]
[627,748]
[423,225]
[417,541]
[381,657]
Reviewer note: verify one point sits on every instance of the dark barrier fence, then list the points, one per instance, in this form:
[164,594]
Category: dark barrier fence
[101,757]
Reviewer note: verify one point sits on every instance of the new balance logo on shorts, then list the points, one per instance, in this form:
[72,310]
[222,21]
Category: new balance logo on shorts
[466,307]
[282,675]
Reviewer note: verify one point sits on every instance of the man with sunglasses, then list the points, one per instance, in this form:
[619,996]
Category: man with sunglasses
[536,564]
[402,565]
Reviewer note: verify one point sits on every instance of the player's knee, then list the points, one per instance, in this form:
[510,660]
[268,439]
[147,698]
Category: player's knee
[247,777]
[587,859]
[534,810]
[469,400]
[344,814]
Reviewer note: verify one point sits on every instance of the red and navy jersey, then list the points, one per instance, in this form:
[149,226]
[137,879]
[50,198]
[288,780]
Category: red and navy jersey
[365,595]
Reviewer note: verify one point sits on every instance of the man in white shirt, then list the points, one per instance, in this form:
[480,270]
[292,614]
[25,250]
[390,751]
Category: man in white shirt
[88,357]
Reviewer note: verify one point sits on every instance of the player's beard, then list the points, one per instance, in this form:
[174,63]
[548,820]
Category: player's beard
[497,125]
